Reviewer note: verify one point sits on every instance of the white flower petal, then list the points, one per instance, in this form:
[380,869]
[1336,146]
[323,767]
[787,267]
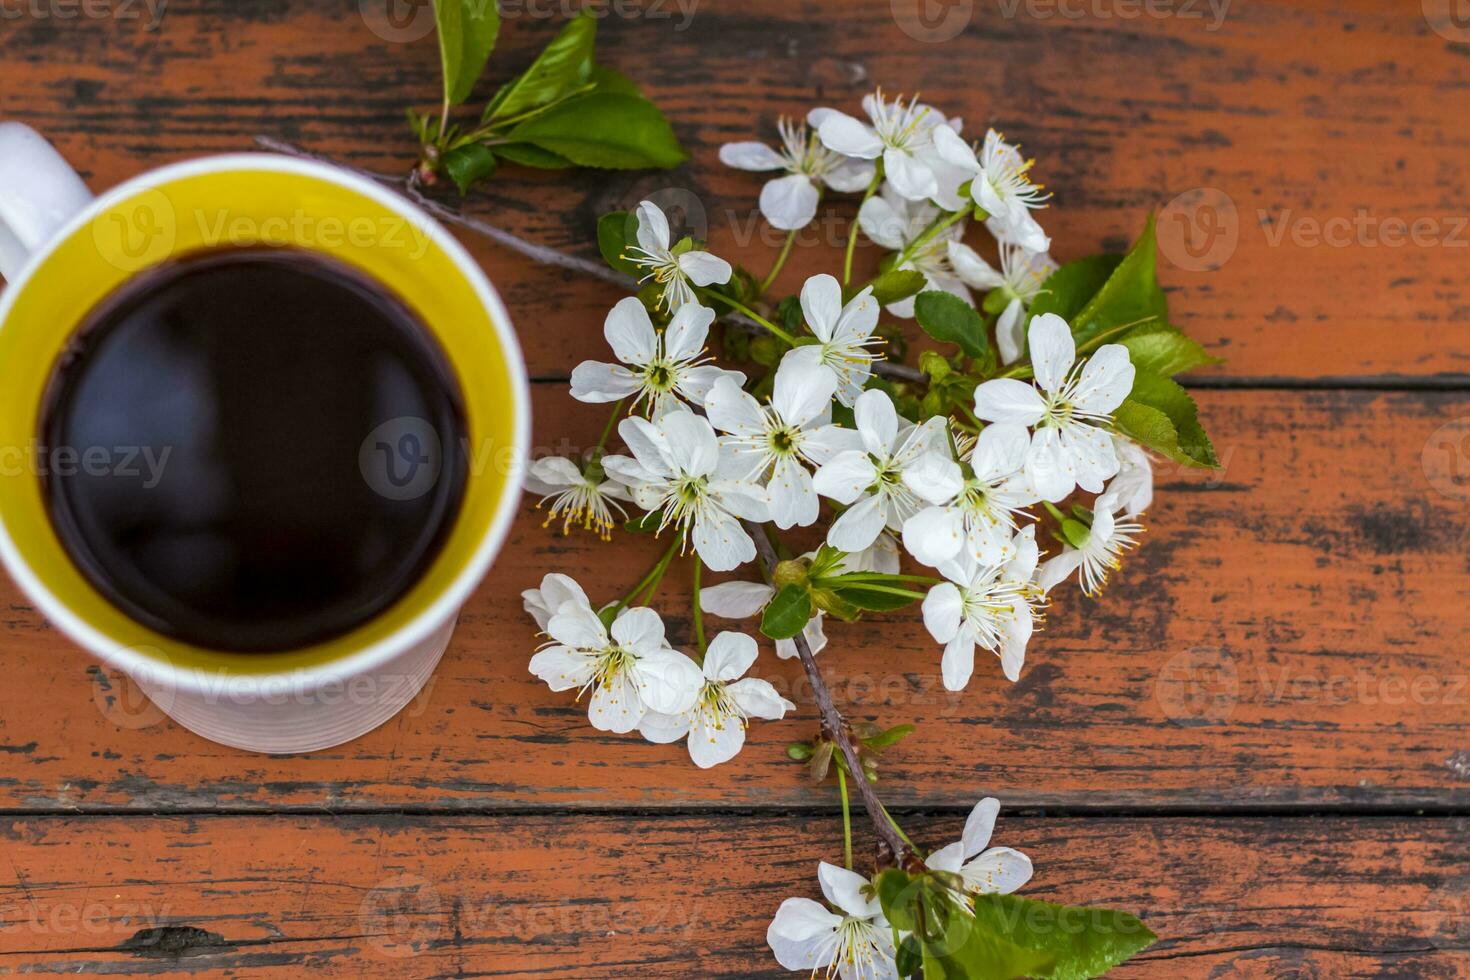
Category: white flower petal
[595,382]
[943,608]
[980,825]
[670,681]
[803,934]
[936,478]
[999,871]
[821,305]
[577,627]
[615,705]
[705,268]
[844,889]
[793,499]
[732,410]
[759,699]
[877,421]
[934,535]
[695,383]
[1000,451]
[653,228]
[721,542]
[729,656]
[841,132]
[844,477]
[1055,571]
[735,600]
[1052,350]
[638,629]
[958,662]
[712,742]
[973,269]
[555,591]
[1106,380]
[751,156]
[687,331]
[1009,400]
[858,525]
[821,445]
[954,150]
[550,474]
[630,333]
[662,729]
[802,391]
[882,223]
[909,175]
[789,203]
[1050,468]
[693,446]
[948,858]
[849,176]
[1010,335]
[561,669]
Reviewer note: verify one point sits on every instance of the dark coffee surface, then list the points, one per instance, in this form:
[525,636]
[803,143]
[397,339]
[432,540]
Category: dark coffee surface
[280,412]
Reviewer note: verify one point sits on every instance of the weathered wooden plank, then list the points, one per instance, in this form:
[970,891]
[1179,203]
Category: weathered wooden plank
[1291,633]
[1322,122]
[599,896]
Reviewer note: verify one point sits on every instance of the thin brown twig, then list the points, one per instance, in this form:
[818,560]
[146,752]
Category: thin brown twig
[537,253]
[833,724]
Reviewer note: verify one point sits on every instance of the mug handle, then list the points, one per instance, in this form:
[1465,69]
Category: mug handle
[39,192]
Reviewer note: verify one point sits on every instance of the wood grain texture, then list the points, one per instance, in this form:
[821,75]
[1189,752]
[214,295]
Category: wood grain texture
[1290,633]
[1324,123]
[605,896]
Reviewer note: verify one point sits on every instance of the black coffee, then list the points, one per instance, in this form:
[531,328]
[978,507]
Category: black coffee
[240,449]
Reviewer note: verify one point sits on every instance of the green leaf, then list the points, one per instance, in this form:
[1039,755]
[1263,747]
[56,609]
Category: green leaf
[950,319]
[910,956]
[614,231]
[899,284]
[884,739]
[1081,942]
[1161,415]
[1166,352]
[611,80]
[872,600]
[1130,295]
[972,952]
[786,615]
[647,524]
[533,156]
[607,130]
[1068,289]
[468,164]
[563,66]
[467,32]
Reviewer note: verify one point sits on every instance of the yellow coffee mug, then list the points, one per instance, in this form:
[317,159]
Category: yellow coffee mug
[62,252]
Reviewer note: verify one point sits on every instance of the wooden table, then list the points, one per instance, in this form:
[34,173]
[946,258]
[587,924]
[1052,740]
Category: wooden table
[1258,739]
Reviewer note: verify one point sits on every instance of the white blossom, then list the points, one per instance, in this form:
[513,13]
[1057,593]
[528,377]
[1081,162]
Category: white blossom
[790,202]
[715,725]
[657,368]
[555,591]
[574,497]
[992,606]
[848,938]
[895,131]
[630,669]
[973,505]
[1100,553]
[1069,407]
[996,871]
[869,481]
[775,442]
[844,334]
[895,224]
[1019,279]
[678,470]
[1000,184]
[676,273]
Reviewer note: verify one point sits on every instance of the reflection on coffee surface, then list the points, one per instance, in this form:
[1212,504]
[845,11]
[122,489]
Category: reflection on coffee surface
[297,449]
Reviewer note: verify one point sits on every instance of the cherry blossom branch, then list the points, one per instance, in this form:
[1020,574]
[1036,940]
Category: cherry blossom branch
[543,254]
[833,723]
